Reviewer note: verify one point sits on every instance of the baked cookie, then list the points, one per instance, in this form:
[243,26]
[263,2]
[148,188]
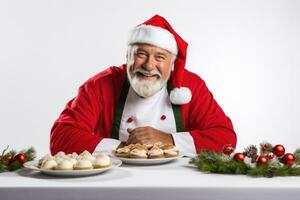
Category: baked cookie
[49,164]
[85,155]
[155,152]
[138,151]
[170,150]
[83,164]
[122,152]
[102,161]
[64,165]
[44,159]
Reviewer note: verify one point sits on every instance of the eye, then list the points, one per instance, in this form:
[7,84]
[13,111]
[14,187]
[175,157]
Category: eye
[141,54]
[160,58]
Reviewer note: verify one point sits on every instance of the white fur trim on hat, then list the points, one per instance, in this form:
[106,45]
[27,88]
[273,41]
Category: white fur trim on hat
[180,96]
[153,35]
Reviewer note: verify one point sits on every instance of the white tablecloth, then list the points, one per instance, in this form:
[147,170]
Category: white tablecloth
[176,180]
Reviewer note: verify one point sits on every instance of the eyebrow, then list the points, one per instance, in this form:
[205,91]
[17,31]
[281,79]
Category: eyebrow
[139,49]
[157,54]
[161,54]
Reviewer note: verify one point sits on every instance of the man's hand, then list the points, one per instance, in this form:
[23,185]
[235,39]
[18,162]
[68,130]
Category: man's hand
[148,135]
[121,145]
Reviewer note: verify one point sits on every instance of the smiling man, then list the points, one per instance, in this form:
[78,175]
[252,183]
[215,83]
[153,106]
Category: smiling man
[151,99]
[149,72]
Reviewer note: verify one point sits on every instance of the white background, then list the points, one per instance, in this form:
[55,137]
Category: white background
[246,51]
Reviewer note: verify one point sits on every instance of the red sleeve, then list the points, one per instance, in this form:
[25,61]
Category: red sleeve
[210,128]
[73,130]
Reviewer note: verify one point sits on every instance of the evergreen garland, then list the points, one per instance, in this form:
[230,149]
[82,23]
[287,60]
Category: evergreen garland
[268,163]
[11,160]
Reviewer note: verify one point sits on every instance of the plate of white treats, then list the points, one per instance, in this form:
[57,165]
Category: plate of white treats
[138,154]
[73,164]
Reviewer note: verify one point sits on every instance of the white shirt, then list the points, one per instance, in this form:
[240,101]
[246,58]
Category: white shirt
[155,111]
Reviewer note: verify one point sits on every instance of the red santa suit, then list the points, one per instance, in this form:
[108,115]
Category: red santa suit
[90,118]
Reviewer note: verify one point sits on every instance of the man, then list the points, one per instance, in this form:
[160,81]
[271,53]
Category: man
[144,101]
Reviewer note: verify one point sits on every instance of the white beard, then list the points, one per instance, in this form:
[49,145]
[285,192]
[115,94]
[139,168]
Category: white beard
[145,88]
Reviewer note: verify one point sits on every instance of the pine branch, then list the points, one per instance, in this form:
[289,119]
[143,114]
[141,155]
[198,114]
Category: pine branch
[212,162]
[209,161]
[30,154]
[265,148]
[10,162]
[3,168]
[297,155]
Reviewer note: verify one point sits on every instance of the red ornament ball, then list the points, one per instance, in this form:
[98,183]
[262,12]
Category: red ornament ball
[21,158]
[228,149]
[289,159]
[270,156]
[266,147]
[262,160]
[239,157]
[9,157]
[278,150]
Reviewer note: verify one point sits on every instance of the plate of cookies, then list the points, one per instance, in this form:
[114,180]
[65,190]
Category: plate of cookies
[139,154]
[73,164]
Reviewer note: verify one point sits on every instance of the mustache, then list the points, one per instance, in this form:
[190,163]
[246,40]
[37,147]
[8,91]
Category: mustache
[147,73]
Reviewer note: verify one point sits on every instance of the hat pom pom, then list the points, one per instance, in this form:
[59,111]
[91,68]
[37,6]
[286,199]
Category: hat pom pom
[180,96]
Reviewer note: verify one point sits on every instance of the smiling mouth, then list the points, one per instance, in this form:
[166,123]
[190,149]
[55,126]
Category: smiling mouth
[147,76]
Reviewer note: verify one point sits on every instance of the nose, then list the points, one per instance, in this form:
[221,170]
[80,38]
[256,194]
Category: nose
[150,64]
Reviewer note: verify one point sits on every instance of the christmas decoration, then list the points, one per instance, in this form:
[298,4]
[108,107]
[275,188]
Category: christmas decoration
[278,150]
[270,155]
[289,159]
[228,149]
[21,158]
[251,152]
[10,161]
[265,148]
[239,157]
[270,161]
[262,160]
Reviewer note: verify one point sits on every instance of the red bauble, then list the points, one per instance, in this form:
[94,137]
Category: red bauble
[239,157]
[228,149]
[278,150]
[262,160]
[270,156]
[21,158]
[265,147]
[7,159]
[289,159]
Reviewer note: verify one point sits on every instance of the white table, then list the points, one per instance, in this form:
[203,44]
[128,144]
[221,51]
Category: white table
[176,180]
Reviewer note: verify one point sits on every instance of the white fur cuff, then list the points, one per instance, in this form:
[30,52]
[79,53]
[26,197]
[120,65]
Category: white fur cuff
[180,96]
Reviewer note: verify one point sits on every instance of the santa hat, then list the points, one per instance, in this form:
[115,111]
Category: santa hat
[158,32]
